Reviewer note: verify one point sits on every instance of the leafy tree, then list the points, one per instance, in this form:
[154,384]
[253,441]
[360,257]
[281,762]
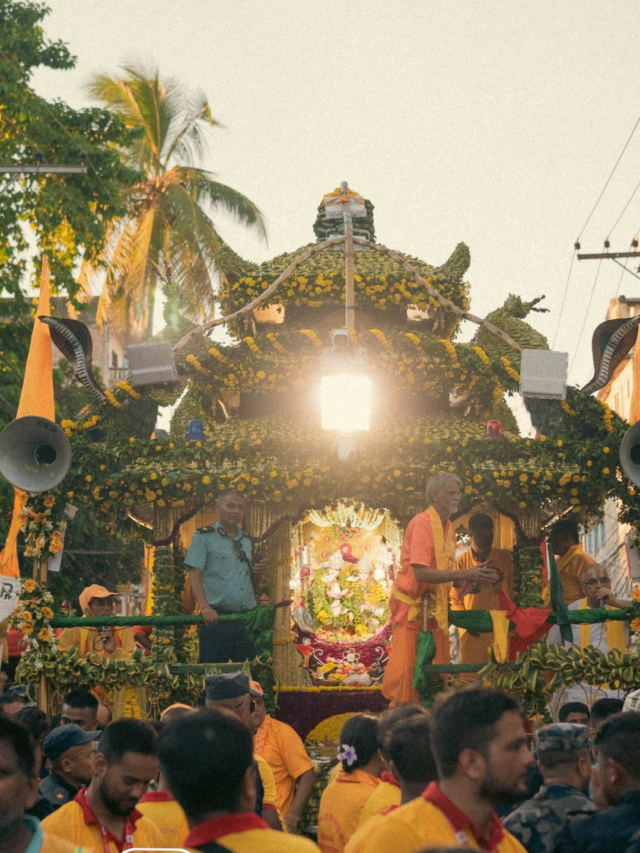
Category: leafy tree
[68,214]
[168,223]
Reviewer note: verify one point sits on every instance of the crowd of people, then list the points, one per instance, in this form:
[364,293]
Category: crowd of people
[466,774]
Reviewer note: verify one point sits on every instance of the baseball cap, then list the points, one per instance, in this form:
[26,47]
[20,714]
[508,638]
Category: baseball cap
[255,690]
[66,737]
[93,591]
[226,685]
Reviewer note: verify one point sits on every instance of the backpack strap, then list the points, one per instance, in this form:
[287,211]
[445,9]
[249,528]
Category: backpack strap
[213,847]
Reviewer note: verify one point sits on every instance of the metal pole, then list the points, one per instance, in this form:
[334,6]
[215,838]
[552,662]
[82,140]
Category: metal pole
[15,169]
[40,575]
[350,299]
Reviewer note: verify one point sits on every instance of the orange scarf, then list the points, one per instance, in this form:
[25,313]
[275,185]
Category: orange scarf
[445,549]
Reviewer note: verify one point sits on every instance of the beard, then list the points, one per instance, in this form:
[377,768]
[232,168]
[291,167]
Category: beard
[499,795]
[118,807]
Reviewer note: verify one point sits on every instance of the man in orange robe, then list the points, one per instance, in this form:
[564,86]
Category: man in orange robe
[474,647]
[427,569]
[564,538]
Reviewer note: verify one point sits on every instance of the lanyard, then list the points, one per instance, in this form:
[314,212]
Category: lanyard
[128,837]
[129,829]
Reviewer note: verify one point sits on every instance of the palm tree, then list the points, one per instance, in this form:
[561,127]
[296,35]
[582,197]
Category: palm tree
[169,223]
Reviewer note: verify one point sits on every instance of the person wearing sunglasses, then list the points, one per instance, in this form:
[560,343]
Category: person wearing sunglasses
[223,573]
[605,636]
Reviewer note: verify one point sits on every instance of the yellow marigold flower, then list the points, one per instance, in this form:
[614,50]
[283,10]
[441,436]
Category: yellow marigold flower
[88,478]
[44,634]
[605,471]
[605,450]
[206,480]
[29,585]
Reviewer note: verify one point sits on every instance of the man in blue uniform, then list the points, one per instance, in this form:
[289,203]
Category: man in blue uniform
[565,763]
[222,576]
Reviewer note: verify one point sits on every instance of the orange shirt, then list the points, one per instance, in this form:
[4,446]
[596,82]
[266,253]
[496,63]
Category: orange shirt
[88,641]
[284,751]
[47,843]
[76,822]
[432,820]
[387,794]
[270,798]
[475,649]
[341,803]
[417,549]
[245,832]
[167,814]
[570,566]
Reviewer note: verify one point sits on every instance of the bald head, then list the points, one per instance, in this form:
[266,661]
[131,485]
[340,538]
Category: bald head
[593,578]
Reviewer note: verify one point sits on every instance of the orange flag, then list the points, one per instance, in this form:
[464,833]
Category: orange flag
[36,398]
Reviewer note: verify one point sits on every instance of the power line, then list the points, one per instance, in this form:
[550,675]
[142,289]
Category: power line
[626,145]
[564,296]
[51,112]
[584,322]
[624,209]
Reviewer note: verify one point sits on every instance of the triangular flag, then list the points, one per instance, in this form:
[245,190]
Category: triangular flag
[36,398]
[557,596]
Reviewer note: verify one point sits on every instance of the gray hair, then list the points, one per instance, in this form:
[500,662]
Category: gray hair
[439,481]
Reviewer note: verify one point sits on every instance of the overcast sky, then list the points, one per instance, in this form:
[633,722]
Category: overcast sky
[495,123]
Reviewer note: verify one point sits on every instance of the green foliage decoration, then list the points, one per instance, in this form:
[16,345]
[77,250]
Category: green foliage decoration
[527,569]
[531,682]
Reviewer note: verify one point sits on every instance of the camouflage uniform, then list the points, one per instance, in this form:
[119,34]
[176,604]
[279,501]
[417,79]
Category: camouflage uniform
[537,822]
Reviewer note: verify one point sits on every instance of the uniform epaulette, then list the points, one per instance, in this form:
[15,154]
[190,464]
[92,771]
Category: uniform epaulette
[208,529]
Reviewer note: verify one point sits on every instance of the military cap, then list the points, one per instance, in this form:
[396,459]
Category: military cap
[560,737]
[66,737]
[226,685]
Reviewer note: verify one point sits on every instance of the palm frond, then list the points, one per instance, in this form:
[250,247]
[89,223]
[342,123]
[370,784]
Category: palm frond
[189,142]
[222,197]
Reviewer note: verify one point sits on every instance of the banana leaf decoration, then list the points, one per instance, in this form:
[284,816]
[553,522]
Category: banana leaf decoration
[73,339]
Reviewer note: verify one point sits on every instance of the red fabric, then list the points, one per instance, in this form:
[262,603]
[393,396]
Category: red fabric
[370,651]
[459,820]
[390,778]
[14,642]
[212,830]
[530,624]
[157,797]
[82,799]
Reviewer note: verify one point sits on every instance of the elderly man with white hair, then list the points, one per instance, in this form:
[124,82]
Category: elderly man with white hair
[428,569]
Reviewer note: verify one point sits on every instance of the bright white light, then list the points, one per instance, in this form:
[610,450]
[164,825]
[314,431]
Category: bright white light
[345,402]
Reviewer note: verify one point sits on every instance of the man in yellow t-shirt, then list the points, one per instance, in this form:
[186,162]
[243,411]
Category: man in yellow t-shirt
[284,751]
[481,749]
[161,806]
[104,816]
[207,759]
[413,764]
[564,538]
[231,691]
[18,792]
[388,793]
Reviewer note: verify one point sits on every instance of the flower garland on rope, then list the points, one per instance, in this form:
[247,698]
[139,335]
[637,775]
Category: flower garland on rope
[32,615]
[44,524]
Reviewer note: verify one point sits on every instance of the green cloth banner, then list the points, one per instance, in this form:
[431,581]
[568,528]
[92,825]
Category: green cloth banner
[425,652]
[480,620]
[259,623]
[557,596]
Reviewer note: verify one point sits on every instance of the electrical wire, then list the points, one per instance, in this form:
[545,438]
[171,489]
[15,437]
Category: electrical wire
[43,159]
[584,322]
[564,297]
[626,145]
[51,112]
[624,209]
